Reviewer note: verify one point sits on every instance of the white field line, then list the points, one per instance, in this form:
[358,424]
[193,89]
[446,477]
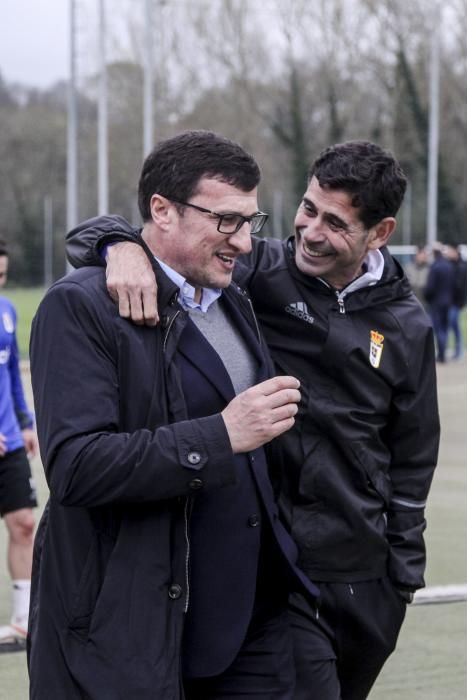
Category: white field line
[452,593]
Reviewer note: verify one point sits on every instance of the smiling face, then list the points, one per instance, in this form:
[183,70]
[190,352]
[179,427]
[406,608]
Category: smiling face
[188,240]
[331,241]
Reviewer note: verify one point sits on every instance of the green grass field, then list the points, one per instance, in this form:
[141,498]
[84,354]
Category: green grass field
[430,662]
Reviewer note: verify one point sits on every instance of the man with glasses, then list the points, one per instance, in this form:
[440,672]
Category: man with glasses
[161,568]
[231,223]
[338,313]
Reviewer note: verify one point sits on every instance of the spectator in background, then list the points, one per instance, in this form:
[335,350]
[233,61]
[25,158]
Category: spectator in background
[439,294]
[452,253]
[417,272]
[17,491]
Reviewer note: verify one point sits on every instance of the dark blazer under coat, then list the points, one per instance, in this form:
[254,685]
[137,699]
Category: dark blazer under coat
[125,463]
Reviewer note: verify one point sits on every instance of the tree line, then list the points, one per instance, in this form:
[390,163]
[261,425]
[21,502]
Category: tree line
[283,79]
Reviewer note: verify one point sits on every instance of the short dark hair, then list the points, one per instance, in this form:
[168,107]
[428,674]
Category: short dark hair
[3,247]
[366,171]
[175,166]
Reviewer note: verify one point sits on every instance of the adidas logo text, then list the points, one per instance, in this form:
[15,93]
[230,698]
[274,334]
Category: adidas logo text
[300,310]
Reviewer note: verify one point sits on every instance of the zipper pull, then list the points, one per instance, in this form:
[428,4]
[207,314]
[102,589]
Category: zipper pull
[340,301]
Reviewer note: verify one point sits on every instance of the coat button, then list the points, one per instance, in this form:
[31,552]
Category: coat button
[164,322]
[196,484]
[175,591]
[253,520]
[194,457]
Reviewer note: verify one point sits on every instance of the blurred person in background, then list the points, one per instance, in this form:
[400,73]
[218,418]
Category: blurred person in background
[417,272]
[439,294]
[18,442]
[453,253]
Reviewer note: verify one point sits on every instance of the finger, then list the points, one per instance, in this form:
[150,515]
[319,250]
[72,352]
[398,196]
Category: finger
[113,288]
[136,307]
[151,317]
[283,412]
[271,386]
[284,397]
[113,294]
[123,304]
[281,427]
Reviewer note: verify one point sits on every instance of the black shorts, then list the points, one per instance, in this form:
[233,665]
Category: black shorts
[17,487]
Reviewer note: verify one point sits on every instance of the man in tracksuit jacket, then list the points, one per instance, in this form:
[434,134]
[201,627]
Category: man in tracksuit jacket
[338,313]
[161,567]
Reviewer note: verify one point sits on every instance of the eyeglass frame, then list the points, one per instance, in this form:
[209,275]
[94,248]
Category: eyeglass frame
[220,217]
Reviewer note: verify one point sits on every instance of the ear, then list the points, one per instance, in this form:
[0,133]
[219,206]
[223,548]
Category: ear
[381,233]
[160,210]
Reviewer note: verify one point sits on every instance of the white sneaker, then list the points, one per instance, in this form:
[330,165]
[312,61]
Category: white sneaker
[12,638]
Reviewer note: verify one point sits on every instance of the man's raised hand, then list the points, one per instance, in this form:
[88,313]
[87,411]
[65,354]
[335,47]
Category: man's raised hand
[261,413]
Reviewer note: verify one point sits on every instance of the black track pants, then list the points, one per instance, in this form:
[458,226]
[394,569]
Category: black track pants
[341,647]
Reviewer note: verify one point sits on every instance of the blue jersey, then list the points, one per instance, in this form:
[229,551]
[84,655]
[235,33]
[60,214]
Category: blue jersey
[14,413]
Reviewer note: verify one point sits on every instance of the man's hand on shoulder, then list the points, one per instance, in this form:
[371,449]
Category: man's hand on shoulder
[131,283]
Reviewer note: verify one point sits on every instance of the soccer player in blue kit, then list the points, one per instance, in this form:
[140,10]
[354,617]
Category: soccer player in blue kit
[18,441]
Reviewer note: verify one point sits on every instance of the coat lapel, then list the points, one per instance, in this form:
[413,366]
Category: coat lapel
[200,354]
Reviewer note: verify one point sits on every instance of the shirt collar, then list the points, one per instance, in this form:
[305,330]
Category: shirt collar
[187,291]
[373,265]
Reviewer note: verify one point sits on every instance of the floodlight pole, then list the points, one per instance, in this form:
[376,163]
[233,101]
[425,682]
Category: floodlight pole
[48,240]
[433,136]
[102,124]
[407,215]
[72,132]
[148,80]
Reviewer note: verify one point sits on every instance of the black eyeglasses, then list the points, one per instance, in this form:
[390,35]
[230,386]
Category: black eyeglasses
[231,223]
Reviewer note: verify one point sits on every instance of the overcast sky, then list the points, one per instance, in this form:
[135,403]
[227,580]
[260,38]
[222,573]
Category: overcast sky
[34,41]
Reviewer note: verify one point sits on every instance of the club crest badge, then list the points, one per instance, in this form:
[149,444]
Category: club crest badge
[376,348]
[8,324]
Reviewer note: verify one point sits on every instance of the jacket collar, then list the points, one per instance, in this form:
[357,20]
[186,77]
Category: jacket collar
[167,291]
